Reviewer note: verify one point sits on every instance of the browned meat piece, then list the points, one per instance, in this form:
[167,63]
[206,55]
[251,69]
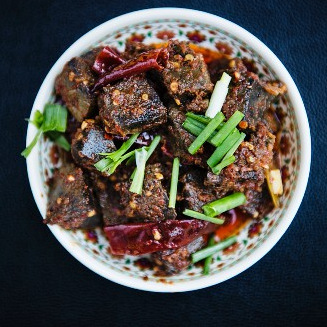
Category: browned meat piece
[246,94]
[134,49]
[186,77]
[217,67]
[247,173]
[71,204]
[259,203]
[131,106]
[90,140]
[180,139]
[108,200]
[174,261]
[120,206]
[194,193]
[73,84]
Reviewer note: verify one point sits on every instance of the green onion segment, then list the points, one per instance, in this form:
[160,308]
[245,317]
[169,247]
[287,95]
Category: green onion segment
[221,150]
[229,202]
[224,163]
[54,118]
[150,150]
[228,127]
[174,184]
[200,118]
[235,146]
[114,156]
[208,260]
[218,96]
[51,122]
[210,250]
[205,134]
[201,216]
[137,183]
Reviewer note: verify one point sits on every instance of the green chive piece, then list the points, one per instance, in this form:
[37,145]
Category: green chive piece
[231,123]
[55,118]
[201,216]
[223,148]
[210,250]
[234,147]
[37,120]
[114,164]
[208,260]
[103,164]
[229,202]
[30,147]
[202,124]
[218,96]
[150,150]
[130,160]
[196,123]
[140,158]
[205,134]
[193,129]
[226,162]
[200,118]
[174,184]
[114,156]
[196,130]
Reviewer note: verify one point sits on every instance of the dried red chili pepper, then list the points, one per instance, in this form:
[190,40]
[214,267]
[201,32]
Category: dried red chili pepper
[135,239]
[106,60]
[153,59]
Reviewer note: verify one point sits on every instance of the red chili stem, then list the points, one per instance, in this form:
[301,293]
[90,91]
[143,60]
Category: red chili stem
[153,59]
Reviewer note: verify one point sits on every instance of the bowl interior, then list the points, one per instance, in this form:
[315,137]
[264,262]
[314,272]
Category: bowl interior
[93,245]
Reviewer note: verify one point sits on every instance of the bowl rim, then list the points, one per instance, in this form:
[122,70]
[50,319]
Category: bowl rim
[201,17]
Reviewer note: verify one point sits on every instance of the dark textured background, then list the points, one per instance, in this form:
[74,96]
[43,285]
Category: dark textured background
[42,285]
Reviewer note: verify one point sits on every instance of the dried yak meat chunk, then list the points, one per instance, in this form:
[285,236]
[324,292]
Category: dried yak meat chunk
[71,204]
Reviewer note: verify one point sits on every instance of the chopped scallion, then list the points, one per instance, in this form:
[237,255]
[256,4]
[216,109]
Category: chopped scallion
[174,184]
[201,216]
[140,158]
[208,260]
[150,150]
[55,118]
[200,118]
[114,164]
[37,120]
[205,134]
[229,202]
[232,150]
[114,156]
[223,148]
[196,130]
[218,96]
[103,164]
[228,127]
[226,162]
[196,123]
[210,250]
[193,129]
[30,147]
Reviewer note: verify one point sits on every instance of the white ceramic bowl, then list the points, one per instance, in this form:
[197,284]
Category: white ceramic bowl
[154,25]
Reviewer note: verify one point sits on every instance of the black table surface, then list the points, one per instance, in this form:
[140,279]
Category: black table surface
[41,284]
